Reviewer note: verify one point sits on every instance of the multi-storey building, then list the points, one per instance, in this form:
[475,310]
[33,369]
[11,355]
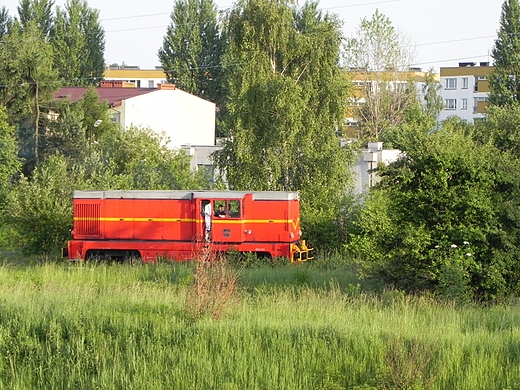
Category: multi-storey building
[133,77]
[465,91]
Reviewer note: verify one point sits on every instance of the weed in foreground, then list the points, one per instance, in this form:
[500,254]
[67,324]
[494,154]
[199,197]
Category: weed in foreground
[409,365]
[214,286]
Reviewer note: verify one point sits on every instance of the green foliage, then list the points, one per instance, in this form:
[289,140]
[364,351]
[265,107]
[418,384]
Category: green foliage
[377,46]
[9,162]
[433,102]
[73,126]
[5,19]
[140,159]
[446,190]
[79,43]
[286,101]
[38,12]
[504,81]
[40,210]
[192,49]
[501,128]
[27,78]
[10,166]
[380,57]
[122,326]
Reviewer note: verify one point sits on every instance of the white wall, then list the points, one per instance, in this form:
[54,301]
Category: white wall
[368,160]
[186,119]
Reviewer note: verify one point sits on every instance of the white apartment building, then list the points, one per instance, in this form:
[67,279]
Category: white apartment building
[465,91]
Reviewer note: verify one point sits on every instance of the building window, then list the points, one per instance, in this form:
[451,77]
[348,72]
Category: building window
[451,83]
[451,104]
[150,84]
[464,104]
[476,100]
[115,117]
[465,83]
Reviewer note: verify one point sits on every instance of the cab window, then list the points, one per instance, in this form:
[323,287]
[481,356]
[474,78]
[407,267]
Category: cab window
[218,212]
[233,209]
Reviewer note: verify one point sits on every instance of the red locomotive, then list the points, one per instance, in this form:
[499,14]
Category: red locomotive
[179,224]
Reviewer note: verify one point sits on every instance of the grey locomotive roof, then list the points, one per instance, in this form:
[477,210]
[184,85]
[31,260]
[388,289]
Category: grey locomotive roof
[133,194]
[180,194]
[275,195]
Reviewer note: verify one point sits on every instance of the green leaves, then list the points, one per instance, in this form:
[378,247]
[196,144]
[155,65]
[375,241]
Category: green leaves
[79,43]
[192,49]
[504,81]
[380,58]
[40,210]
[447,189]
[287,98]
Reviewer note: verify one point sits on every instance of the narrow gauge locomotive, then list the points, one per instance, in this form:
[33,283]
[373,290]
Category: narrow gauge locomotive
[172,224]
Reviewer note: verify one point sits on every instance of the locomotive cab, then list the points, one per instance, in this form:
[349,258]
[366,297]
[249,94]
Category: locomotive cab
[226,219]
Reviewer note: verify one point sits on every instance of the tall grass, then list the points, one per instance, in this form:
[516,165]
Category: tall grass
[289,327]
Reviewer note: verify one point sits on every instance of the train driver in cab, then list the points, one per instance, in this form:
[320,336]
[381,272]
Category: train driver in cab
[220,212]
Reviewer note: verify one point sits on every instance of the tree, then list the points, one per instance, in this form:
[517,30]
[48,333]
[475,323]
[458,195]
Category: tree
[433,103]
[72,126]
[40,209]
[379,58]
[286,101]
[504,81]
[501,128]
[140,159]
[9,162]
[192,49]
[79,43]
[443,217]
[5,20]
[37,12]
[27,78]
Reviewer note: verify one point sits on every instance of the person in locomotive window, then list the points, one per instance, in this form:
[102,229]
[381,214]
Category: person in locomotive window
[220,212]
[207,219]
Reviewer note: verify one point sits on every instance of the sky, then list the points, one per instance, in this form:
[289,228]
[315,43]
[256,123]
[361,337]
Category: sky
[444,32]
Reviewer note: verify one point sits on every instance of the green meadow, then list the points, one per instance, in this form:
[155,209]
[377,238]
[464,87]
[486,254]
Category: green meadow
[157,326]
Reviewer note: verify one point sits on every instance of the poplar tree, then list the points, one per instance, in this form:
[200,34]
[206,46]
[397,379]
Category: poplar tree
[79,44]
[192,49]
[287,99]
[504,81]
[37,12]
[5,19]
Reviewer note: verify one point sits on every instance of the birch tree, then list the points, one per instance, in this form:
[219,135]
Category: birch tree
[287,99]
[379,58]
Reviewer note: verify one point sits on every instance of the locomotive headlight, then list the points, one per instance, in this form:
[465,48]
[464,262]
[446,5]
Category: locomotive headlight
[291,235]
[247,231]
[300,233]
